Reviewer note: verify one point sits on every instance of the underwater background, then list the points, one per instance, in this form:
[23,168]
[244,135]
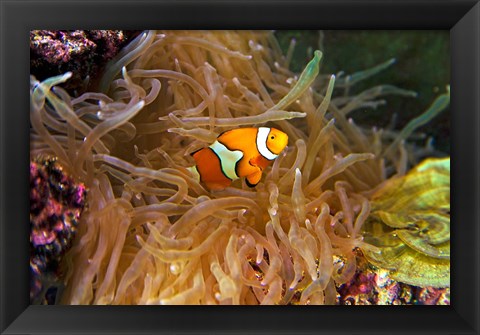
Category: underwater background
[374,245]
[423,65]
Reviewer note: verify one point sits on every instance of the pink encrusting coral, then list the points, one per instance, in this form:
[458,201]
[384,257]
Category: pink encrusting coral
[56,203]
[84,52]
[375,287]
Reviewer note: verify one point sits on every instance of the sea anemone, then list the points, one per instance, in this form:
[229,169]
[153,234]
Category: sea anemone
[151,233]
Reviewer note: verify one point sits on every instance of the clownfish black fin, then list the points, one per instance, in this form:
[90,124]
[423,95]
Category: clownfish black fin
[253,179]
[248,183]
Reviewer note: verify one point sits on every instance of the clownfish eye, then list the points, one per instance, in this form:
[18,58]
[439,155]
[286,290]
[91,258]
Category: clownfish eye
[272,137]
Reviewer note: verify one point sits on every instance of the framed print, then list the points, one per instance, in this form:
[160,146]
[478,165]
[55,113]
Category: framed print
[204,158]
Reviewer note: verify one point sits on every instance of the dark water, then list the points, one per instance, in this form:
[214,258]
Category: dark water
[422,65]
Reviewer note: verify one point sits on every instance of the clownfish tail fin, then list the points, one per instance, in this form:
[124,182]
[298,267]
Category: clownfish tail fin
[193,170]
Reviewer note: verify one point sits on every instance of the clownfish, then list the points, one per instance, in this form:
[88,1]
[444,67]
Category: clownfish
[238,153]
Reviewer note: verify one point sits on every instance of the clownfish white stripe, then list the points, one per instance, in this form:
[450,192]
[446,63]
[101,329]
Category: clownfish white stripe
[228,159]
[262,143]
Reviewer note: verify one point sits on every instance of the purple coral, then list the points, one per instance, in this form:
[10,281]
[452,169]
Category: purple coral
[56,203]
[83,52]
[358,290]
[374,286]
[432,296]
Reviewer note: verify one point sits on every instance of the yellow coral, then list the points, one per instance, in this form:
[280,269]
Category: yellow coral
[417,206]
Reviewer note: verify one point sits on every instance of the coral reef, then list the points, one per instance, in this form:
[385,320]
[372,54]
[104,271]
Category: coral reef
[56,203]
[84,52]
[374,286]
[153,234]
[432,296]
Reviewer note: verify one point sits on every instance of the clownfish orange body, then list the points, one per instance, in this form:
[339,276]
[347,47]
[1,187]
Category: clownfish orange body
[237,153]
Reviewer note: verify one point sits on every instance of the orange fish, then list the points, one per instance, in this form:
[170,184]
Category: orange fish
[237,153]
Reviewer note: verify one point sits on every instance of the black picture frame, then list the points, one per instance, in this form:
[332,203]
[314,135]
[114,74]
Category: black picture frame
[461,17]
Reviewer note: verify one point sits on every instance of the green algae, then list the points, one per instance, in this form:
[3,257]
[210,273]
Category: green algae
[410,224]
